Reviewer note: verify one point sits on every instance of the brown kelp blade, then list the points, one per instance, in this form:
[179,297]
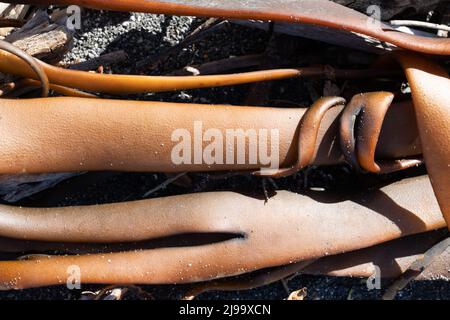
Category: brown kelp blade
[316,12]
[287,229]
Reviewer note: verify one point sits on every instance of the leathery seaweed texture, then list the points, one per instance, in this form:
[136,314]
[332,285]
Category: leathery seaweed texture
[141,35]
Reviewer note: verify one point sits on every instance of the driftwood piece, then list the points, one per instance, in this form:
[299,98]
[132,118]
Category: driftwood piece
[42,38]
